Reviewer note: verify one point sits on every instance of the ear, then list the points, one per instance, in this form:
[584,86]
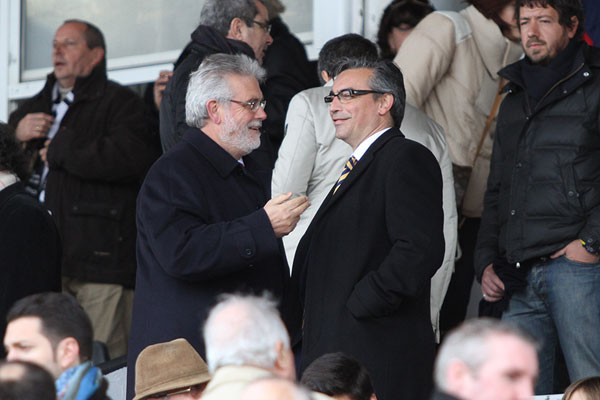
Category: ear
[67,353]
[386,101]
[459,378]
[325,76]
[236,29]
[284,363]
[214,110]
[373,397]
[97,55]
[573,29]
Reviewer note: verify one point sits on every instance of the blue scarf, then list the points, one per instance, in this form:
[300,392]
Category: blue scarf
[78,383]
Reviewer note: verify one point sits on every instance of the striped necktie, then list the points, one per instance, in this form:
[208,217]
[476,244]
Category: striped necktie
[351,163]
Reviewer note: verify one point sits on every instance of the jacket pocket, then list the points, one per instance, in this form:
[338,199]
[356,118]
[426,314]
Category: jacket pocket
[93,233]
[570,189]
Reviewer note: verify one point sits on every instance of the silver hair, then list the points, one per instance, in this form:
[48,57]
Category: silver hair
[218,14]
[210,82]
[469,343]
[244,329]
[386,78]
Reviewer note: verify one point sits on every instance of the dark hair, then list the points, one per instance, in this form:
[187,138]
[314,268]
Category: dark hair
[386,78]
[491,9]
[409,12]
[92,35]
[337,374]
[33,383]
[12,157]
[566,10]
[589,387]
[61,317]
[350,45]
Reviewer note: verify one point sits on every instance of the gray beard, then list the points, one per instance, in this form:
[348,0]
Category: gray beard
[238,137]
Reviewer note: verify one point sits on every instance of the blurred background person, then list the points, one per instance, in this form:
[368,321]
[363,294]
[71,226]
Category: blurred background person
[397,22]
[20,380]
[584,389]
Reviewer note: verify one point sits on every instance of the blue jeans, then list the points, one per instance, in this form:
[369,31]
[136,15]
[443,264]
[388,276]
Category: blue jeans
[561,305]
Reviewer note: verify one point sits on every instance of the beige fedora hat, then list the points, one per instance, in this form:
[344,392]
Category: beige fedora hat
[167,366]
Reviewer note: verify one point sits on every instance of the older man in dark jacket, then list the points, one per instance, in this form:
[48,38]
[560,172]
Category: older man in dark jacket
[540,233]
[92,138]
[226,26]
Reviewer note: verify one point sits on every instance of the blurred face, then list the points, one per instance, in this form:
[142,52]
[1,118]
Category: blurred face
[357,118]
[509,372]
[71,56]
[256,35]
[240,130]
[24,341]
[192,393]
[398,35]
[541,34]
[508,16]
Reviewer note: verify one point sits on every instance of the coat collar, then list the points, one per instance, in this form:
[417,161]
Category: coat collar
[496,50]
[234,375]
[221,160]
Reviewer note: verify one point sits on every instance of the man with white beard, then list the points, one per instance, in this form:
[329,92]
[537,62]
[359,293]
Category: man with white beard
[205,223]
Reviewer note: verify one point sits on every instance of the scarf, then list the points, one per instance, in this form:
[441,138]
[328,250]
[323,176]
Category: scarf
[78,383]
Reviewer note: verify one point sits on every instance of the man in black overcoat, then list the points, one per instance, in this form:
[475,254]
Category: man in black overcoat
[362,271]
[205,223]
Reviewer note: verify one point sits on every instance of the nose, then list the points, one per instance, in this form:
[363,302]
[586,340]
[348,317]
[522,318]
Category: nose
[260,114]
[334,105]
[11,355]
[268,39]
[533,29]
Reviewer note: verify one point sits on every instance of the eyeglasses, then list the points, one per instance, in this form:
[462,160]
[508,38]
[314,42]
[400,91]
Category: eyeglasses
[266,27]
[345,95]
[252,104]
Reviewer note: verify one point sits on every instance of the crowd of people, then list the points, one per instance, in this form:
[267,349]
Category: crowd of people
[286,240]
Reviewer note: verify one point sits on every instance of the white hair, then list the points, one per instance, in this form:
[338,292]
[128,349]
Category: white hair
[469,343]
[209,82]
[244,329]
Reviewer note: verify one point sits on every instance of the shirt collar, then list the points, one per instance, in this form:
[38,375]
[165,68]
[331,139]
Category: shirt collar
[364,146]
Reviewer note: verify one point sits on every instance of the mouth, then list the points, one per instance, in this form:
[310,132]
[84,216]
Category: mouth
[339,119]
[255,128]
[534,44]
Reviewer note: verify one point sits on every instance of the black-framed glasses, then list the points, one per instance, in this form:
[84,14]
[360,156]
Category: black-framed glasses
[252,105]
[266,27]
[345,95]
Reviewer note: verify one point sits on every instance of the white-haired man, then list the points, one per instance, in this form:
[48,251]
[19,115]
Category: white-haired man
[486,359]
[245,340]
[275,389]
[206,225]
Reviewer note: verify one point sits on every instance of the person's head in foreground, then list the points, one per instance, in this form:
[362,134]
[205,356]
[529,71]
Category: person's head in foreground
[339,376]
[584,389]
[172,369]
[487,359]
[247,330]
[20,380]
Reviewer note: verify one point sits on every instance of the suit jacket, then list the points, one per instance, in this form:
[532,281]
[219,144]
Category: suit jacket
[202,231]
[362,271]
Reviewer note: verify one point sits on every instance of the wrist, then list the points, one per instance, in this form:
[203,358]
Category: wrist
[590,245]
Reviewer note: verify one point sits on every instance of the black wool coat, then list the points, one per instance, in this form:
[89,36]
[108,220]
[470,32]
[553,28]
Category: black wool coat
[362,271]
[202,232]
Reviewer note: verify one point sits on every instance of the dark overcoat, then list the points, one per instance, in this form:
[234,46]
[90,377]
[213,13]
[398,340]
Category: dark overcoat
[202,232]
[362,271]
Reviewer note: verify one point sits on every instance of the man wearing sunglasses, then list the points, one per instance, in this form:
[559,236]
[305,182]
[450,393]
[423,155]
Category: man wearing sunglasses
[362,271]
[226,26]
[206,224]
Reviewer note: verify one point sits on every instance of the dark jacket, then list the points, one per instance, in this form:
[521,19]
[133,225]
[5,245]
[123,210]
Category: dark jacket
[30,249]
[544,184]
[362,271]
[202,231]
[205,41]
[97,161]
[288,72]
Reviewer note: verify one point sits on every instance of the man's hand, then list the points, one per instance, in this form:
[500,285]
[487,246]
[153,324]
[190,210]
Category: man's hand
[285,213]
[576,252]
[159,86]
[33,126]
[492,286]
[44,152]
